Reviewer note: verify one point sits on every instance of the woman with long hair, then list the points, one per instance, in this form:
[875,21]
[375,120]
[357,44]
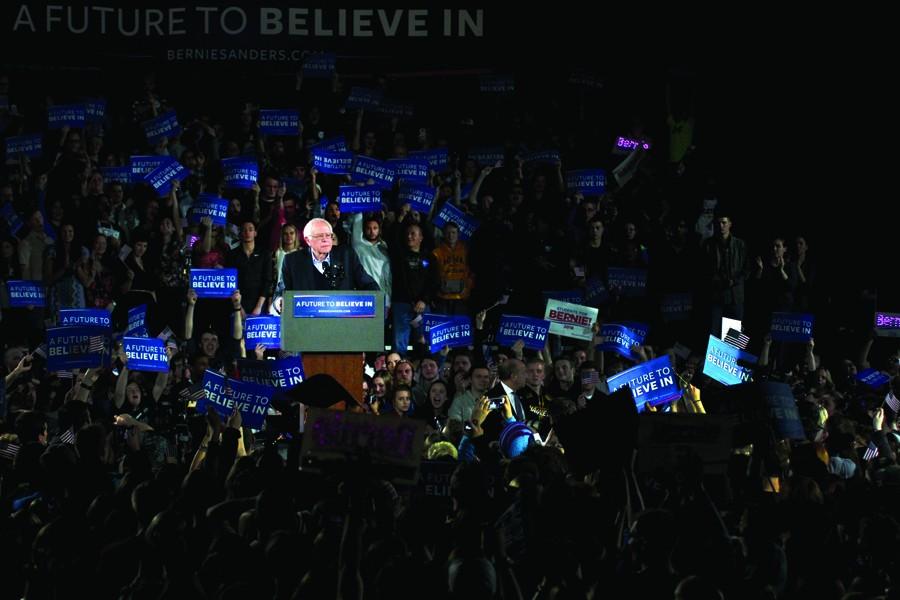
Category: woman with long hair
[66,291]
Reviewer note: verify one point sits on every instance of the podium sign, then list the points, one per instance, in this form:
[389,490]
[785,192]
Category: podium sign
[333,321]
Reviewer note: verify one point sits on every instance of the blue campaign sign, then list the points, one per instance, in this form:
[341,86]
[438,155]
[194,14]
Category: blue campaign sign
[595,293]
[411,170]
[456,332]
[283,373]
[395,109]
[214,283]
[792,327]
[487,157]
[273,121]
[619,338]
[361,97]
[335,144]
[31,145]
[722,363]
[319,66]
[240,172]
[429,320]
[497,84]
[590,182]
[782,410]
[161,178]
[144,165]
[676,307]
[465,189]
[93,318]
[209,205]
[332,162]
[25,293]
[652,383]
[419,197]
[117,174]
[94,110]
[317,306]
[74,348]
[872,378]
[137,322]
[146,354]
[570,296]
[68,115]
[630,282]
[359,198]
[164,126]
[528,329]
[262,330]
[224,395]
[541,157]
[449,213]
[438,158]
[365,168]
[13,220]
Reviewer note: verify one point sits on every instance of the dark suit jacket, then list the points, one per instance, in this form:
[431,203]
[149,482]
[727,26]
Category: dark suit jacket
[299,273]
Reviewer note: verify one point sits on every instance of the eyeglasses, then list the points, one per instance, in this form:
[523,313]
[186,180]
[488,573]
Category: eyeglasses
[320,236]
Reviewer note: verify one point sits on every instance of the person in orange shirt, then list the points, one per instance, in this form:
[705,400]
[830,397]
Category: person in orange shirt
[452,262]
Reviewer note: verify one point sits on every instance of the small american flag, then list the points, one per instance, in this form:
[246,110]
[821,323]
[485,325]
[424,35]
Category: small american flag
[892,402]
[41,351]
[165,334]
[590,377]
[96,343]
[194,394]
[284,354]
[64,374]
[737,339]
[9,451]
[67,436]
[871,451]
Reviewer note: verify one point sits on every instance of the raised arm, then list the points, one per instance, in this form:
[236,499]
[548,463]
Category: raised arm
[189,314]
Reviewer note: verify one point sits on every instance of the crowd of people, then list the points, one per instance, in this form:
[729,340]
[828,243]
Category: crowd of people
[113,485]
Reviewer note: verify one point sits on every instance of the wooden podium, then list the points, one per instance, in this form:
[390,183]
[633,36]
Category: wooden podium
[332,330]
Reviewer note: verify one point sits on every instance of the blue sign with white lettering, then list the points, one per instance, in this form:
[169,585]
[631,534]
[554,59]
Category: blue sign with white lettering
[25,145]
[361,97]
[872,378]
[240,172]
[68,115]
[25,293]
[252,400]
[595,293]
[161,178]
[590,182]
[117,174]
[74,348]
[143,165]
[356,198]
[335,144]
[487,157]
[438,158]
[792,327]
[279,122]
[651,383]
[676,307]
[332,162]
[164,126]
[782,410]
[212,206]
[528,329]
[449,213]
[541,157]
[137,322]
[570,296]
[497,84]
[146,354]
[631,283]
[419,197]
[214,283]
[93,318]
[94,110]
[619,338]
[395,109]
[381,173]
[451,334]
[262,330]
[722,363]
[319,65]
[283,373]
[411,170]
[317,306]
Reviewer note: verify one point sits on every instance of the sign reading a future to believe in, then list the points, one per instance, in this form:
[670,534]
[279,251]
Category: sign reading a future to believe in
[314,306]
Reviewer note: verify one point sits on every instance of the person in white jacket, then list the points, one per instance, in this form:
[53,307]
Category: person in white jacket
[372,252]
